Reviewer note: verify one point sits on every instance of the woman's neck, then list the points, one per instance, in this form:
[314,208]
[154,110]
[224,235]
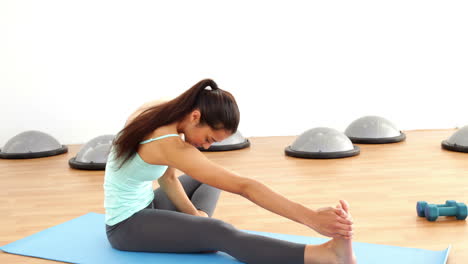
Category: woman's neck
[173,128]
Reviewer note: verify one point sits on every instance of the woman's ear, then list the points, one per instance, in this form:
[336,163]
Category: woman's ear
[195,116]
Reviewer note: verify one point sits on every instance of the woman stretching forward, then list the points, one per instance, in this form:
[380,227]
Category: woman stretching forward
[176,217]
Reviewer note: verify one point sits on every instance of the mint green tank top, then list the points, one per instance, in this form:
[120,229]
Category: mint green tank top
[129,189]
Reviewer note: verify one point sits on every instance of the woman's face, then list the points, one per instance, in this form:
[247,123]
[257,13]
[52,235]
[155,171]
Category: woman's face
[203,136]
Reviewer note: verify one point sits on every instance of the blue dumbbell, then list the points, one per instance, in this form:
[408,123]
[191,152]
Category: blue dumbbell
[421,207]
[433,211]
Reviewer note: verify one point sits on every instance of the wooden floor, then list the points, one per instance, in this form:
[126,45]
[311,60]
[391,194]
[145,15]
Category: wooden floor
[382,185]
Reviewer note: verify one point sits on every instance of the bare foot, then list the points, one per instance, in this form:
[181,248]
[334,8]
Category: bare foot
[331,252]
[344,247]
[335,251]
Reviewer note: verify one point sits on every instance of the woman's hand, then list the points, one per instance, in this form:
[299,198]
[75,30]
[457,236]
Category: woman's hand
[331,222]
[202,213]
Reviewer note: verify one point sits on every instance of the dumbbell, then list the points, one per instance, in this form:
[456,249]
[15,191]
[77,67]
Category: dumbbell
[450,208]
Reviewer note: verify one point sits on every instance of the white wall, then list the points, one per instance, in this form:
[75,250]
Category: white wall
[76,69]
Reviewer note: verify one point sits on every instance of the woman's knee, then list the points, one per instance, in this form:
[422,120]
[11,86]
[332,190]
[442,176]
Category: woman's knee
[222,228]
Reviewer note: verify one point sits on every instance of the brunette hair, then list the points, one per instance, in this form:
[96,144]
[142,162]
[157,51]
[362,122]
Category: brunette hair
[218,110]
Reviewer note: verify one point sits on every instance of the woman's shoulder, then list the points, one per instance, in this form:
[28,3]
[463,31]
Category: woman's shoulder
[158,150]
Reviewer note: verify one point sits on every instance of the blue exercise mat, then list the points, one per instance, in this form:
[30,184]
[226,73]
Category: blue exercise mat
[83,240]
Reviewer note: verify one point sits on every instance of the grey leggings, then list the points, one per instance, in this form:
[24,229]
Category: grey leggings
[161,228]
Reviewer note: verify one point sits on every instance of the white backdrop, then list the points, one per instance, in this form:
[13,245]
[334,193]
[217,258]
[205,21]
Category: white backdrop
[77,69]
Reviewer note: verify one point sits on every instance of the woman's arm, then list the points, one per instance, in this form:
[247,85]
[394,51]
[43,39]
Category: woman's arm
[171,185]
[327,221]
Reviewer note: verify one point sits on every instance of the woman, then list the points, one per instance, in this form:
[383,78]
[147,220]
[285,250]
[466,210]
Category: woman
[176,217]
